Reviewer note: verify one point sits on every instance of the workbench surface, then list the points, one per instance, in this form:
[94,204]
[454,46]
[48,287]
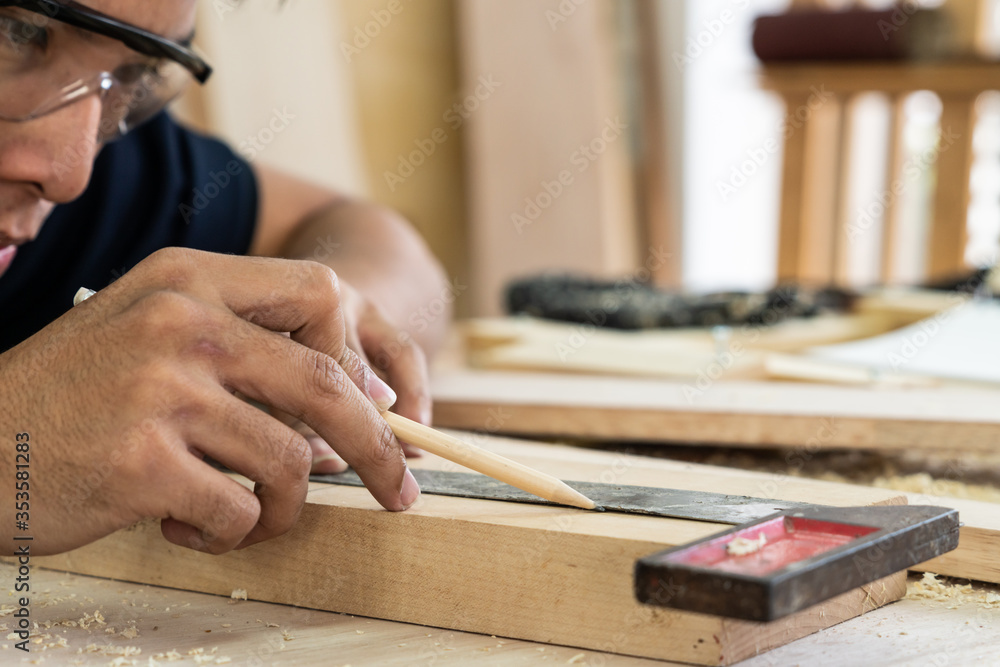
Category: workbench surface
[209,630]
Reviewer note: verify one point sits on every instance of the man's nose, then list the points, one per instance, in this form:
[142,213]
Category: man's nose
[55,152]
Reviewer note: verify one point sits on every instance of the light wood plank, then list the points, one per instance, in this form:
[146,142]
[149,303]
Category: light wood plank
[250,633]
[542,573]
[793,187]
[895,161]
[949,231]
[556,114]
[662,115]
[168,620]
[738,413]
[904,77]
[821,200]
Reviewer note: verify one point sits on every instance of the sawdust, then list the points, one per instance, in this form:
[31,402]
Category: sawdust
[932,589]
[925,484]
[946,472]
[742,546]
[238,594]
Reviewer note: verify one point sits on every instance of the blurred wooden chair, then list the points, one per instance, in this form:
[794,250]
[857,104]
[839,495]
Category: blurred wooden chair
[813,230]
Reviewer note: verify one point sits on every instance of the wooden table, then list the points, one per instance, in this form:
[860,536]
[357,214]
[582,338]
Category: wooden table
[198,626]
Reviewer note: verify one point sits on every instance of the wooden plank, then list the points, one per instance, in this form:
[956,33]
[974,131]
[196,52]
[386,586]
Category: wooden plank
[821,200]
[979,540]
[539,345]
[547,153]
[891,211]
[949,231]
[846,78]
[662,116]
[738,413]
[547,574]
[249,633]
[793,187]
[840,212]
[261,633]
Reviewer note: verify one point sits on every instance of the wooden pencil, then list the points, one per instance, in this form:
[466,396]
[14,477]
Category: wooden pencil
[493,465]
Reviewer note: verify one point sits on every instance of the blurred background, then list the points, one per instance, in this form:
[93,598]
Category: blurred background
[691,144]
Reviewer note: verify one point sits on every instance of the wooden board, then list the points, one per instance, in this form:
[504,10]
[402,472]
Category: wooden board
[703,411]
[248,633]
[258,633]
[548,574]
[547,158]
[979,540]
[524,343]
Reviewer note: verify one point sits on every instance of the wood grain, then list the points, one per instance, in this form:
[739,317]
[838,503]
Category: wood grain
[260,633]
[737,413]
[949,229]
[558,95]
[548,574]
[847,78]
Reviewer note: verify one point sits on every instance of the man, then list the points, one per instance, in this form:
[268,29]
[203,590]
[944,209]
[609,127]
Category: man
[109,410]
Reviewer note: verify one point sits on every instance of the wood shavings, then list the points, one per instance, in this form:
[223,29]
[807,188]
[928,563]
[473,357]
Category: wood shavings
[579,657]
[169,656]
[742,546]
[91,619]
[111,650]
[924,483]
[238,594]
[129,633]
[287,636]
[931,589]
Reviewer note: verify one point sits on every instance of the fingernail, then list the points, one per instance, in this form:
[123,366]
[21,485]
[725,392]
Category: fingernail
[411,491]
[381,393]
[425,415]
[198,543]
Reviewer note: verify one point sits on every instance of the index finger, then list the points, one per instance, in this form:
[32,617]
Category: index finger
[314,388]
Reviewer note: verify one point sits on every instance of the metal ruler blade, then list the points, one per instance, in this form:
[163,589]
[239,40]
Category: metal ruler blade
[674,503]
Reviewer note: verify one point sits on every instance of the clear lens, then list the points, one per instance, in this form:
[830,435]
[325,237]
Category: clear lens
[139,93]
[44,67]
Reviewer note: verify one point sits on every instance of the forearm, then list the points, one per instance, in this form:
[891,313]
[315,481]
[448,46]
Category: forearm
[385,259]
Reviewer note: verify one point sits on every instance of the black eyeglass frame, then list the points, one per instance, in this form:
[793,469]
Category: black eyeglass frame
[137,39]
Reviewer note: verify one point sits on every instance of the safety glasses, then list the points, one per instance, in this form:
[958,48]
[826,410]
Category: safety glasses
[53,54]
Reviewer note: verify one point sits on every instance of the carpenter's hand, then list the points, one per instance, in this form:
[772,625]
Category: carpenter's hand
[124,395]
[395,357]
